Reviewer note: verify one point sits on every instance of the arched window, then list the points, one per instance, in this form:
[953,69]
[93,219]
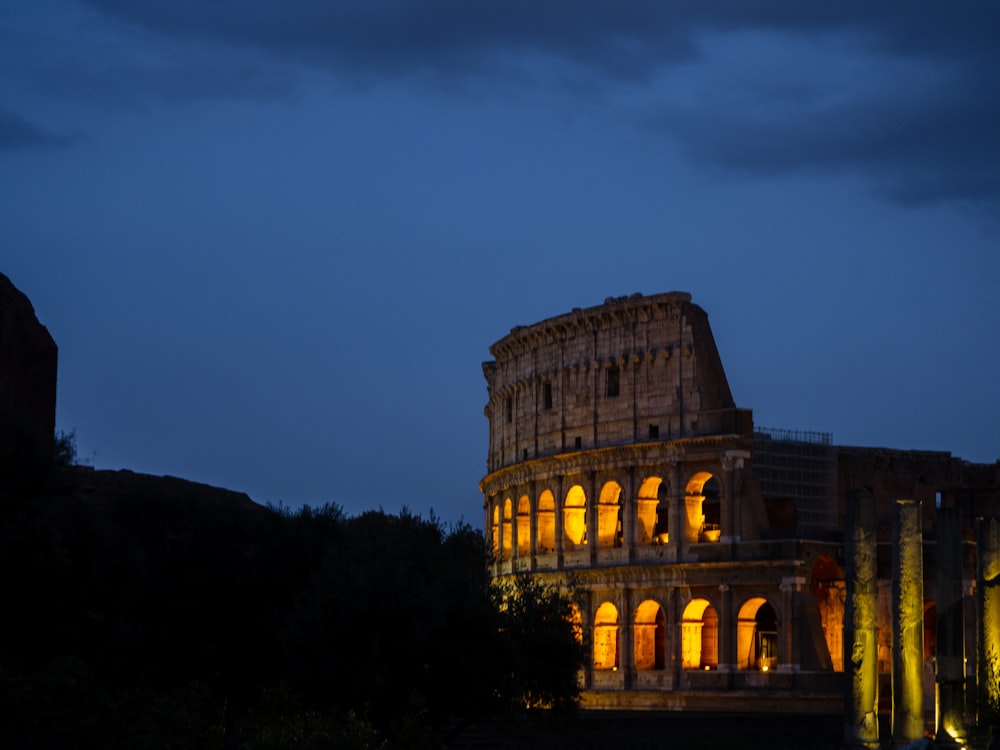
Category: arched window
[523,526]
[506,530]
[575,518]
[609,516]
[757,635]
[702,501]
[649,643]
[647,513]
[495,530]
[699,636]
[606,637]
[546,523]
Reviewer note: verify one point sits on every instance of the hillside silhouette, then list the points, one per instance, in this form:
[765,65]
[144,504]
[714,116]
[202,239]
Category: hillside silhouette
[155,612]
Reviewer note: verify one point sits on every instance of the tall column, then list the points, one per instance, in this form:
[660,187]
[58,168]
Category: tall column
[988,594]
[860,627]
[907,623]
[950,673]
[533,524]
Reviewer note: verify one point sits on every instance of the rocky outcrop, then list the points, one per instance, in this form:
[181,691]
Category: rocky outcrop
[28,363]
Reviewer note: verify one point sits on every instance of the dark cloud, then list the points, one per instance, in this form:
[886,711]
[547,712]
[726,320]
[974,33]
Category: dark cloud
[919,142]
[16,132]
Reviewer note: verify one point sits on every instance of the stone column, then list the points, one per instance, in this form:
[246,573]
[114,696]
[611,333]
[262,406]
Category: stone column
[988,595]
[673,628]
[727,626]
[730,522]
[907,624]
[626,646]
[789,623]
[592,515]
[950,726]
[678,518]
[630,507]
[860,627]
[560,508]
[533,524]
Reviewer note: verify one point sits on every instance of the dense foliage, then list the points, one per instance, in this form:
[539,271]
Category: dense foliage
[163,621]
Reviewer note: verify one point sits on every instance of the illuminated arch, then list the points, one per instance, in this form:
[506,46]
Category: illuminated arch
[609,515]
[505,536]
[606,637]
[649,642]
[699,636]
[495,530]
[757,635]
[546,517]
[702,502]
[646,511]
[523,526]
[829,590]
[575,518]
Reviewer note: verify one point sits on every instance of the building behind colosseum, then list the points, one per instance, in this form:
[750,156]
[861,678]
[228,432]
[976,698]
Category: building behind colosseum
[706,557]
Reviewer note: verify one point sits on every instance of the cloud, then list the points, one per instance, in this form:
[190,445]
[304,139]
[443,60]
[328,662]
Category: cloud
[16,132]
[906,98]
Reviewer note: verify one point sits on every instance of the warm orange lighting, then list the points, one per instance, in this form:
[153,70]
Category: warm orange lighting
[763,668]
[707,668]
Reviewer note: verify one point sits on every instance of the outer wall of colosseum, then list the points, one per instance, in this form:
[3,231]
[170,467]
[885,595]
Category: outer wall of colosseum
[619,464]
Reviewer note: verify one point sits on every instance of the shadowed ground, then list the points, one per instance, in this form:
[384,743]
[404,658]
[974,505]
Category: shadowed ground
[651,731]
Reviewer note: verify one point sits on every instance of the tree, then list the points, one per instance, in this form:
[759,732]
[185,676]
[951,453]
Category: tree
[540,642]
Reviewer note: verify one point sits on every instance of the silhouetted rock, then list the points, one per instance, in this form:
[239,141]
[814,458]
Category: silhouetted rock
[28,363]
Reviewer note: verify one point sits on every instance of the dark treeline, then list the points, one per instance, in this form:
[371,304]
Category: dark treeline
[148,618]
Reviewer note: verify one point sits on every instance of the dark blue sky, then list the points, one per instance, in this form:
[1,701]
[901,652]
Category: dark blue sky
[274,240]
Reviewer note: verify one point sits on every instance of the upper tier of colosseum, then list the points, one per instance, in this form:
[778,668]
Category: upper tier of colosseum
[635,369]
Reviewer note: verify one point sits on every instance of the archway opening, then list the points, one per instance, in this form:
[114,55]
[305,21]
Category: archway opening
[506,533]
[702,502]
[699,636]
[546,523]
[606,637]
[649,636]
[575,518]
[757,635]
[523,526]
[652,529]
[609,516]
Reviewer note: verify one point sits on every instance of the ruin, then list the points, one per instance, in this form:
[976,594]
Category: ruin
[707,556]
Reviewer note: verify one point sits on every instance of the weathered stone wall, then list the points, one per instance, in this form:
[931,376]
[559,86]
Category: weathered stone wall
[634,369]
[28,361]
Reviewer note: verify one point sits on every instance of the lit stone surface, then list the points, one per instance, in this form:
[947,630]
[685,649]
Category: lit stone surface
[908,624]
[861,638]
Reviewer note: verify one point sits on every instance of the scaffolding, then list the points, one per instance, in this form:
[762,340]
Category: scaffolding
[801,466]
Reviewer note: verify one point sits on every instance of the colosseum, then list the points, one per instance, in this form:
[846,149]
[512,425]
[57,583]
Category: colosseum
[706,556]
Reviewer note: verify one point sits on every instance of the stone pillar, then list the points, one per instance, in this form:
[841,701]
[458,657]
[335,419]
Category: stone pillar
[949,679]
[592,516]
[560,508]
[729,520]
[630,508]
[789,623]
[860,627]
[533,525]
[907,624]
[674,643]
[727,636]
[988,595]
[626,645]
[678,518]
